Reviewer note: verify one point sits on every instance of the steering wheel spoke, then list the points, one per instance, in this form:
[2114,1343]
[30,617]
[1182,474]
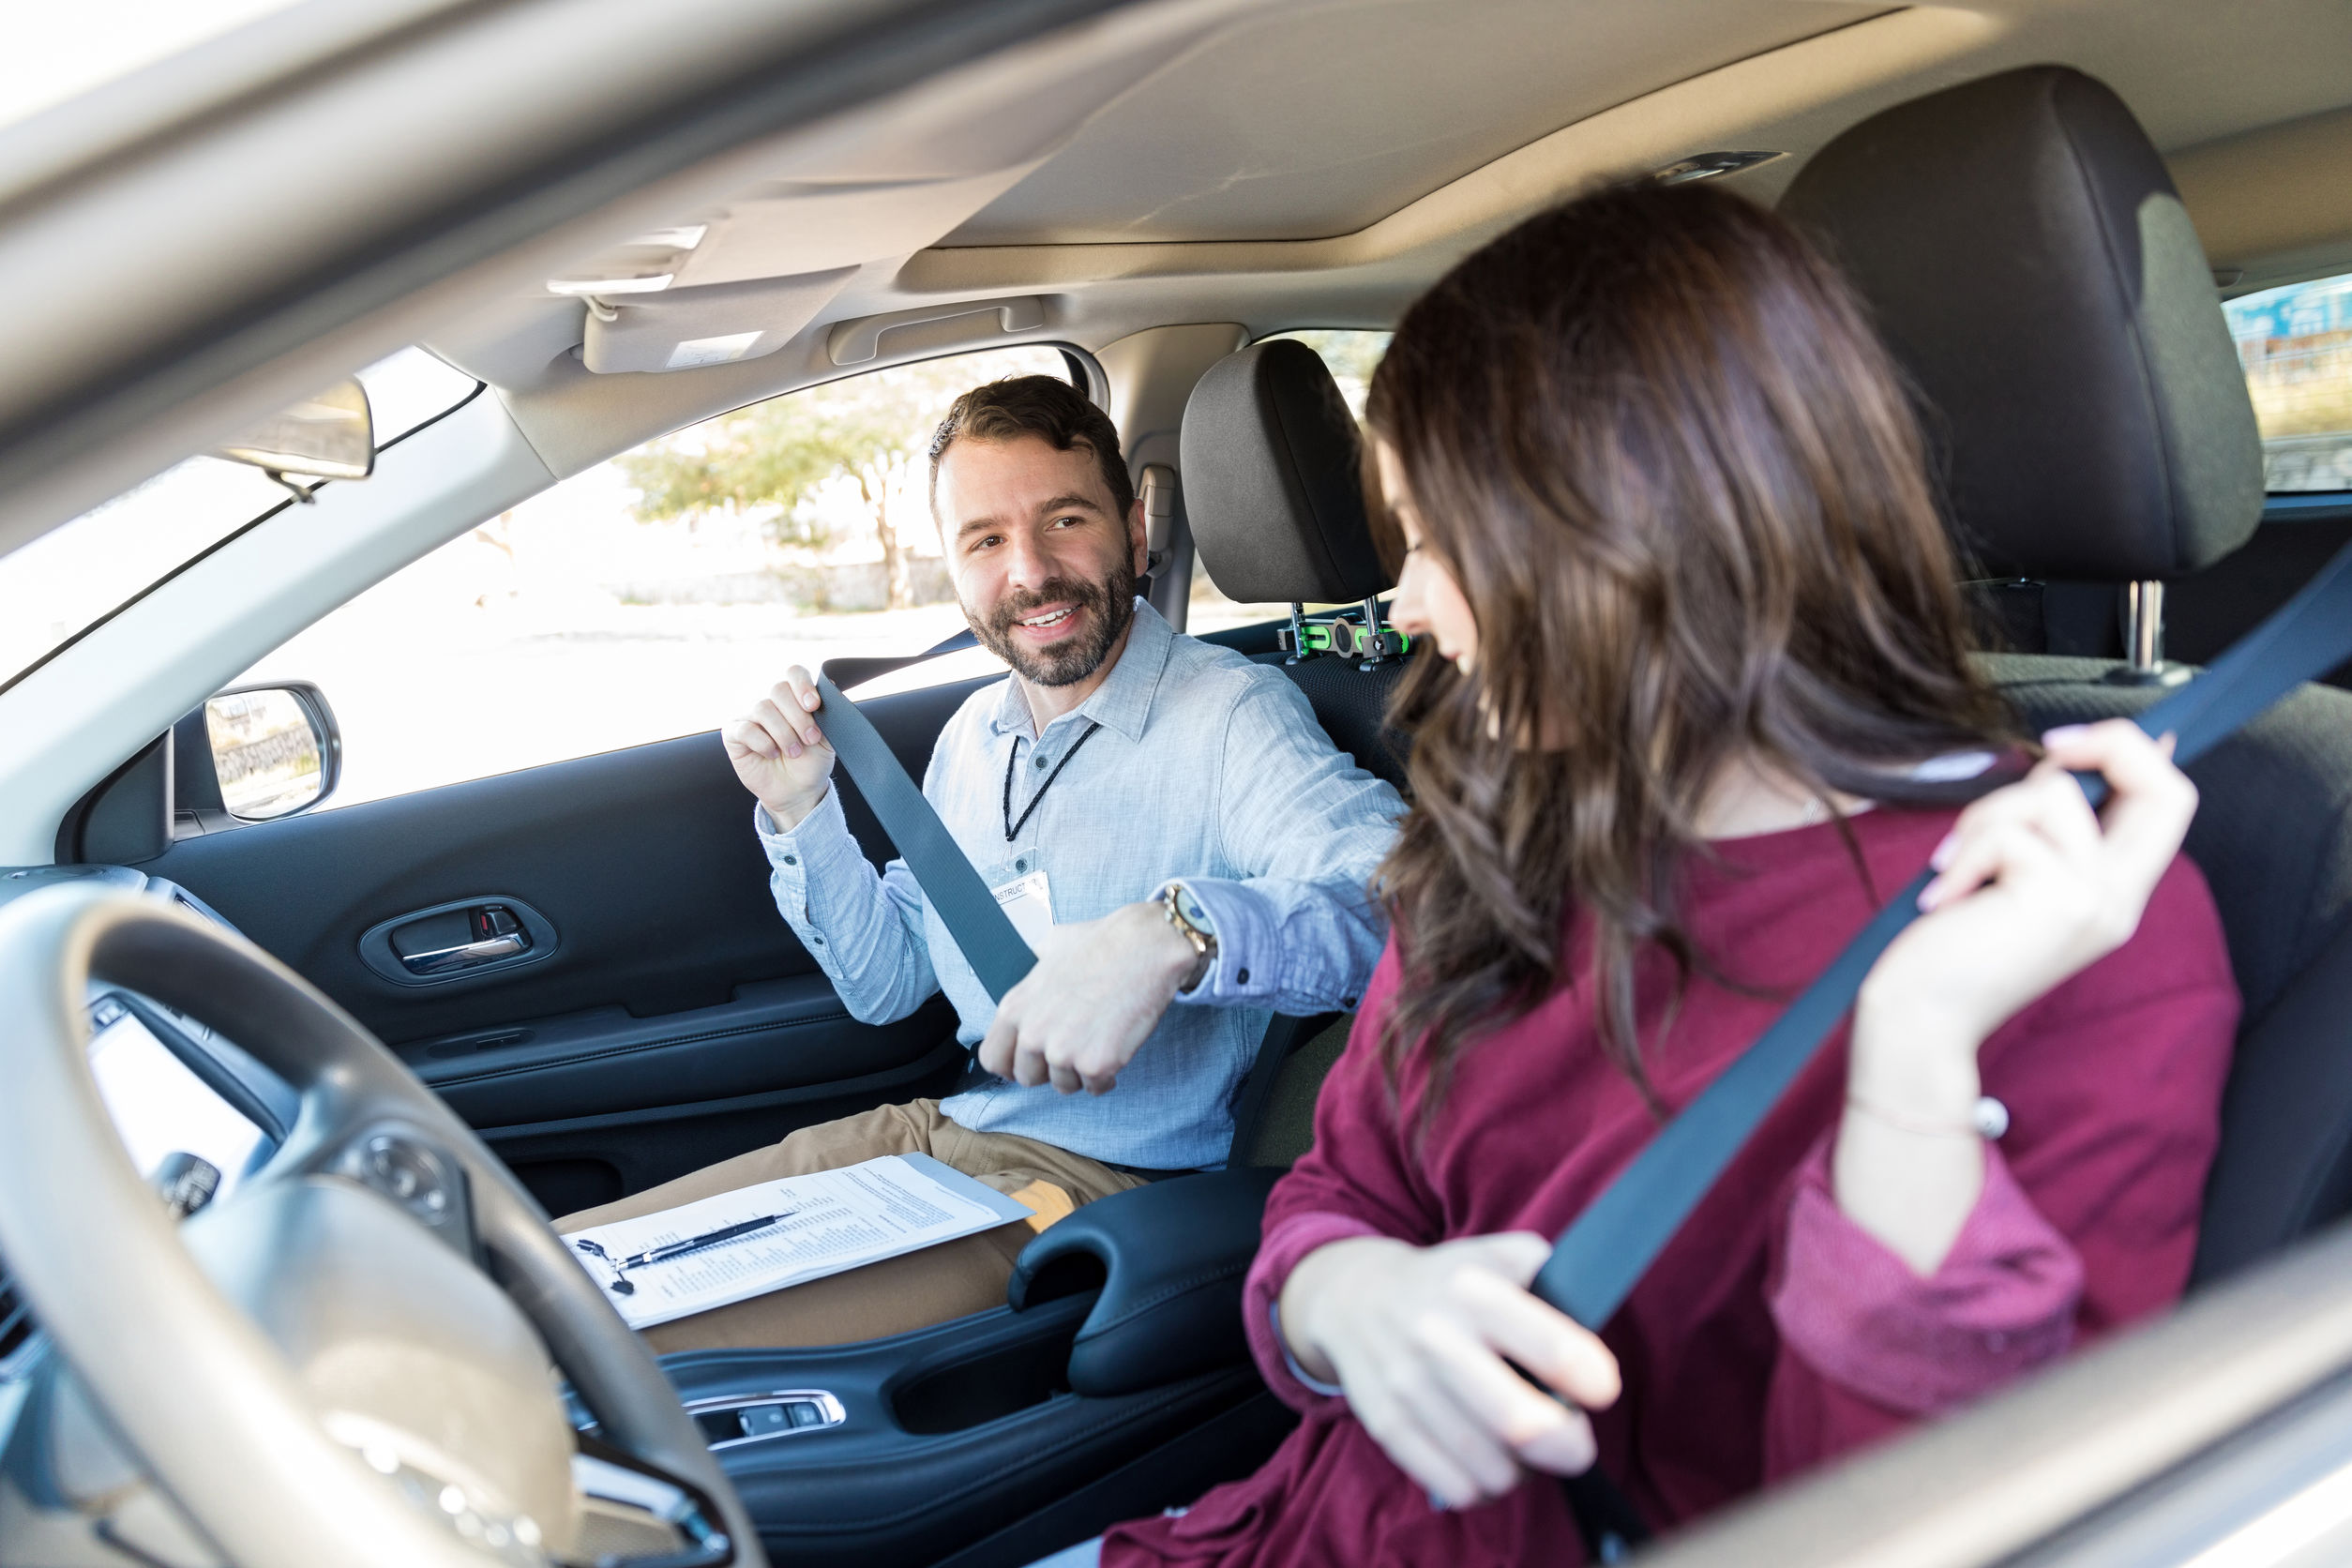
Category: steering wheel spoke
[428,1183]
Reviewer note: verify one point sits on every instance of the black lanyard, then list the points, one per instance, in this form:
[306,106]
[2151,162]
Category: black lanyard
[1012,827]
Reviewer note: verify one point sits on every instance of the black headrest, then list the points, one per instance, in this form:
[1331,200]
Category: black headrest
[2032,268]
[1273,481]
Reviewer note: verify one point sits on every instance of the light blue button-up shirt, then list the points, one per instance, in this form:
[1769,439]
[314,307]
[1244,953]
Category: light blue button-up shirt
[1206,768]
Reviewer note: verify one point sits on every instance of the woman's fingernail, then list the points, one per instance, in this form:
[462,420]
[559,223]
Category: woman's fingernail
[1941,856]
[1932,895]
[1566,1451]
[2063,734]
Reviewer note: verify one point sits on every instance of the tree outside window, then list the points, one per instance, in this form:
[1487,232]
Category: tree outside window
[789,457]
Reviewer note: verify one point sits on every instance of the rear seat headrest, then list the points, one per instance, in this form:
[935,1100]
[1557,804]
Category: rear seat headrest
[1273,482]
[2030,264]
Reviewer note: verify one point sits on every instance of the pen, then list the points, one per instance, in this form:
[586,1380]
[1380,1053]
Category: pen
[695,1244]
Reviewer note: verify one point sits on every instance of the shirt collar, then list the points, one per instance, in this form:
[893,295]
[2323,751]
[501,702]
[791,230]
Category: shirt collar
[1123,701]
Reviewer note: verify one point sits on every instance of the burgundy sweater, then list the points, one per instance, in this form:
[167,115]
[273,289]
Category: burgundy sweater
[1772,1333]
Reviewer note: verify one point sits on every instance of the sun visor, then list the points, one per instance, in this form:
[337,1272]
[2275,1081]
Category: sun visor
[681,329]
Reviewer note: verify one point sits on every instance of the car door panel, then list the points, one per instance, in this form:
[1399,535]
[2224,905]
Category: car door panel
[673,1019]
[789,1033]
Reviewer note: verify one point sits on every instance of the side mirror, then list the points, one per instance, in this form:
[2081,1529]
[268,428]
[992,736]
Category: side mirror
[254,754]
[330,435]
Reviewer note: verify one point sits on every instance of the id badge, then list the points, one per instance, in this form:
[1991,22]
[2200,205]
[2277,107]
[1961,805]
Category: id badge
[1028,902]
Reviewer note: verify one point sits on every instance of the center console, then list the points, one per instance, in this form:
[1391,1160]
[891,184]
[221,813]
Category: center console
[1114,1383]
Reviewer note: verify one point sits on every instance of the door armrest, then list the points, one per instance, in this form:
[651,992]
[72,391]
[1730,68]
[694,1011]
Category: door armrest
[1170,1259]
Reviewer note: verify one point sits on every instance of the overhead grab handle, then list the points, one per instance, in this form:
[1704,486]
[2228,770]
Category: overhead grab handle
[858,342]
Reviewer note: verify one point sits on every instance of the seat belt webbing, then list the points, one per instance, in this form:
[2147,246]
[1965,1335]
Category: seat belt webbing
[1605,1252]
[970,911]
[966,907]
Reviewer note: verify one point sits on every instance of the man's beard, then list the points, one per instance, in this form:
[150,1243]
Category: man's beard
[1108,607]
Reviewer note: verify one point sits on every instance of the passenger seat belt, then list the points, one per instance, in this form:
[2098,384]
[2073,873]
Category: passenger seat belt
[982,932]
[1605,1252]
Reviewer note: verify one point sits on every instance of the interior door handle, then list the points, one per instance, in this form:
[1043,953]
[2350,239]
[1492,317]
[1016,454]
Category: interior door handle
[471,954]
[460,939]
[452,940]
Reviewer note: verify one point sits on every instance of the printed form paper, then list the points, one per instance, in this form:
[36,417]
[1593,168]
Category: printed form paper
[831,1220]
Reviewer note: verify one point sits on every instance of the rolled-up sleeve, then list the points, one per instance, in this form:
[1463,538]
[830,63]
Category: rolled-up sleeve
[2087,1221]
[864,928]
[1298,932]
[2001,1303]
[1284,1249]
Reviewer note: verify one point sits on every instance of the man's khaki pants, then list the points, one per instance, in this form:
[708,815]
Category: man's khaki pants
[897,1294]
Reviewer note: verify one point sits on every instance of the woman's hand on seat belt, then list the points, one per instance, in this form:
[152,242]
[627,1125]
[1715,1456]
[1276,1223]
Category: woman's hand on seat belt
[2032,887]
[779,753]
[1098,992]
[1417,1335]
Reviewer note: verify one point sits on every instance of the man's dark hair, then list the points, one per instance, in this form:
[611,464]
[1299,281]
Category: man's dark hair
[1048,408]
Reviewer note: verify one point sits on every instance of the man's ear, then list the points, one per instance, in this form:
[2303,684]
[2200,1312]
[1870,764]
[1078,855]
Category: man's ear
[1138,537]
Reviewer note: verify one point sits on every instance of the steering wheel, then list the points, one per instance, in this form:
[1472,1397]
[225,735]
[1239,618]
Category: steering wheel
[351,1359]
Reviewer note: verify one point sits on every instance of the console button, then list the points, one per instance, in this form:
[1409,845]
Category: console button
[760,1420]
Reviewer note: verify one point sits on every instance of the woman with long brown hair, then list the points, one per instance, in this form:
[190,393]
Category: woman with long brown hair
[1700,702]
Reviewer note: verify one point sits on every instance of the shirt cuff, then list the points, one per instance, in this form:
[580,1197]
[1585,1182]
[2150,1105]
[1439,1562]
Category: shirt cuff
[1244,973]
[2001,1303]
[816,847]
[1299,1375]
[1287,1243]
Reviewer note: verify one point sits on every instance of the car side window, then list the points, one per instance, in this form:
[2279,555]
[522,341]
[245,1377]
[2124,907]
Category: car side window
[656,594]
[1352,355]
[2296,345]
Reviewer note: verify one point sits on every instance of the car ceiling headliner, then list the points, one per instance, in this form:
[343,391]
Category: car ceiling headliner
[1318,161]
[1321,120]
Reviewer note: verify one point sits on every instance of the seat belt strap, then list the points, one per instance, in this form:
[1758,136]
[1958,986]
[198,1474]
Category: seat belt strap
[1601,1256]
[851,671]
[981,931]
[970,911]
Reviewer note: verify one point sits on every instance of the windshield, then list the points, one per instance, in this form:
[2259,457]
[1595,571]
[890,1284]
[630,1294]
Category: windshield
[75,576]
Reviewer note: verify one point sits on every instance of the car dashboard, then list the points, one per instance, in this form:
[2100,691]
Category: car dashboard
[175,1087]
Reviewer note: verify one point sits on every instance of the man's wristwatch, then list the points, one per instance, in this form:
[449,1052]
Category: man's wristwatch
[1193,924]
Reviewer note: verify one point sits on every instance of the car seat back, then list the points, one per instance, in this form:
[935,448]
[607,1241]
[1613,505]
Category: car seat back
[1273,488]
[2031,268]
[1274,491]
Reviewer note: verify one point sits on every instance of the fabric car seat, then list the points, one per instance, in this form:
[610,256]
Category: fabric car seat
[2030,264]
[1273,491]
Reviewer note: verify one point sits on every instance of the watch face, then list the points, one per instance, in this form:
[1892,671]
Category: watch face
[1189,908]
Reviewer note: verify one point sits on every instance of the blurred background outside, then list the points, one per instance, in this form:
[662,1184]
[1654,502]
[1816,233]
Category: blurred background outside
[2296,344]
[654,596]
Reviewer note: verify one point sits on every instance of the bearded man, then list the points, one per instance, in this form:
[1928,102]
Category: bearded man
[1165,822]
